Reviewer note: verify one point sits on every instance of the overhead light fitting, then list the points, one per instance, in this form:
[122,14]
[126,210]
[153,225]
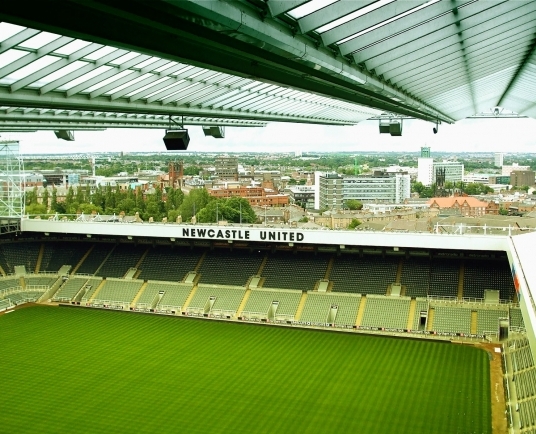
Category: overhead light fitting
[65,135]
[391,126]
[214,131]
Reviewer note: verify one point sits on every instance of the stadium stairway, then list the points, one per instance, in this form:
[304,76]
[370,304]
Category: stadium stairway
[192,292]
[399,270]
[22,282]
[2,271]
[243,302]
[77,266]
[430,320]
[411,314]
[261,267]
[140,292]
[301,305]
[361,311]
[460,281]
[140,261]
[200,262]
[39,258]
[329,267]
[101,285]
[474,321]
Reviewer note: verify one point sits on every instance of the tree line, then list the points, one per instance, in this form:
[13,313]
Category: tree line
[168,203]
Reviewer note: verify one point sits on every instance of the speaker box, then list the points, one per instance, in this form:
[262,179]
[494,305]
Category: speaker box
[395,128]
[177,140]
[384,127]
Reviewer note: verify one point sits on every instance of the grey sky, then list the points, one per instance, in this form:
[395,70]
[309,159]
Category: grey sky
[479,135]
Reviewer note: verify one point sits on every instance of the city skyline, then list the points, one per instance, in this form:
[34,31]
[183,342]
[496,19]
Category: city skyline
[468,135]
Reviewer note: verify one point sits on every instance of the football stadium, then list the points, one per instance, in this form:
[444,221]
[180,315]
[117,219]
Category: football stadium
[115,326]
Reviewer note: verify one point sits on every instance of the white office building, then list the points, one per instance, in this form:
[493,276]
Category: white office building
[335,190]
[428,170]
[499,159]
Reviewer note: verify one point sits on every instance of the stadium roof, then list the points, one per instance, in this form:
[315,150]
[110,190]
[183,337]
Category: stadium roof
[318,61]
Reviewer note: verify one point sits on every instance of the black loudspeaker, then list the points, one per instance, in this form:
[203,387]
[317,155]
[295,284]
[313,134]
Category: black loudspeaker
[395,128]
[177,140]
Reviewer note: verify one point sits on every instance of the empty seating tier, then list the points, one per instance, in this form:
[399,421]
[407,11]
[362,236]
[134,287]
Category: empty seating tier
[230,267]
[70,288]
[210,298]
[318,307]
[385,312]
[123,257]
[89,288]
[9,282]
[165,263]
[41,280]
[175,294]
[416,276]
[444,277]
[516,318]
[20,253]
[480,275]
[56,255]
[120,291]
[260,301]
[294,271]
[94,259]
[487,320]
[366,275]
[450,319]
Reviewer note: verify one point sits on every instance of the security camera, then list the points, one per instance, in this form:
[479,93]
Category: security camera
[435,130]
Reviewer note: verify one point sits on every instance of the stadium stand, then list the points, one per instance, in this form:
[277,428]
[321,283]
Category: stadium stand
[516,318]
[123,257]
[294,271]
[89,289]
[23,297]
[385,312]
[488,320]
[164,263]
[40,280]
[452,319]
[56,255]
[70,288]
[416,276]
[174,297]
[317,308]
[8,282]
[444,277]
[4,304]
[94,259]
[118,291]
[480,275]
[366,275]
[230,267]
[212,299]
[20,253]
[260,301]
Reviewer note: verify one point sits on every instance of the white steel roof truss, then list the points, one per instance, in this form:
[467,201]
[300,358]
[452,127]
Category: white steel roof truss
[510,41]
[506,25]
[81,71]
[18,38]
[33,56]
[330,13]
[421,19]
[444,27]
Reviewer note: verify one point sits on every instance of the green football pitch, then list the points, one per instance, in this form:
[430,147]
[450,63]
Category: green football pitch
[65,370]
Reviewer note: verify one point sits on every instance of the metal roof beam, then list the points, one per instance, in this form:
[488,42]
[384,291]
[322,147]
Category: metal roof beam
[280,7]
[330,13]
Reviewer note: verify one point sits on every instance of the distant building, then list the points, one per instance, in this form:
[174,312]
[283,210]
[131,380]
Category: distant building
[499,179]
[334,190]
[256,196]
[302,195]
[506,170]
[428,171]
[226,168]
[465,206]
[425,152]
[499,159]
[518,178]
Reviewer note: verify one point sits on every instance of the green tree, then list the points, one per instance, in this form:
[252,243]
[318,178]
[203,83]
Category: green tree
[35,208]
[503,211]
[354,224]
[233,209]
[45,198]
[196,200]
[353,204]
[304,219]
